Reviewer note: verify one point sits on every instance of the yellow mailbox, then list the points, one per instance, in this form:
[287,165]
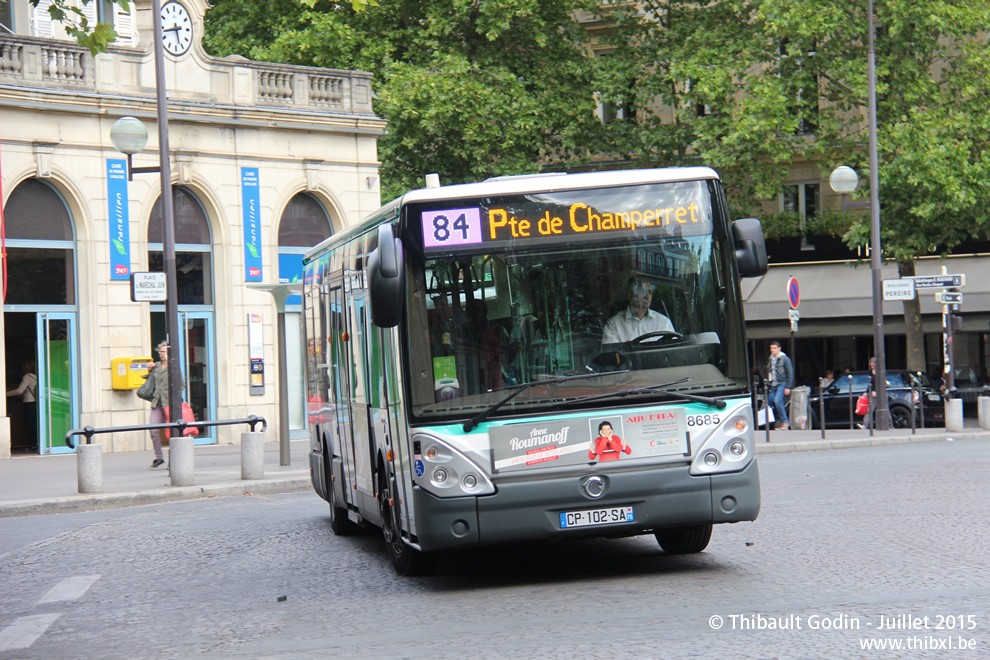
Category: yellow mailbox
[129,372]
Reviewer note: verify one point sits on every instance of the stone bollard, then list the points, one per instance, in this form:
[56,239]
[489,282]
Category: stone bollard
[89,464]
[983,411]
[181,461]
[953,415]
[252,455]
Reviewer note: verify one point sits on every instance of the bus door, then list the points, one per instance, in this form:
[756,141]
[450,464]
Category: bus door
[357,321]
[340,389]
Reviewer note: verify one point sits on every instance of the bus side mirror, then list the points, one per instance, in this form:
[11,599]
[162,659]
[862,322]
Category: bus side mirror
[386,279]
[751,251]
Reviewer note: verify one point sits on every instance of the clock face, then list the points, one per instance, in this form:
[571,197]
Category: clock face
[176,28]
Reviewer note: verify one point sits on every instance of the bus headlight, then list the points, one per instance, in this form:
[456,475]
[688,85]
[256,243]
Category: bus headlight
[445,471]
[729,447]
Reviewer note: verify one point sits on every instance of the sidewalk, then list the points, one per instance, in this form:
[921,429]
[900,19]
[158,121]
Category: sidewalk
[31,484]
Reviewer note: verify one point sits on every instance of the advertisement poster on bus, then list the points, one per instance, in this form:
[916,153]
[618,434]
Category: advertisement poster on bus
[643,434]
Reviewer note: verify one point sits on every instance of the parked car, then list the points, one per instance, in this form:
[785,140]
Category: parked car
[969,386]
[900,395]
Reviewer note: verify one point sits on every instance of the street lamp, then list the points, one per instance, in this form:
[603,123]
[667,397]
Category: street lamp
[844,180]
[129,140]
[841,177]
[129,136]
[882,416]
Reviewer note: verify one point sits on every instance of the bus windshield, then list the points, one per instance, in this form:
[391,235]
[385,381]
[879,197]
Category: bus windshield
[640,307]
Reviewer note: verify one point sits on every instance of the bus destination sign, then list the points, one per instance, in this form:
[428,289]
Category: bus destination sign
[525,219]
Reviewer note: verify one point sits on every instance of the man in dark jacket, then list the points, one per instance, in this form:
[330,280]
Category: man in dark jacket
[781,375]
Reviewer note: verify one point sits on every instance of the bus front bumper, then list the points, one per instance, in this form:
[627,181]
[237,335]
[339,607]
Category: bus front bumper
[531,510]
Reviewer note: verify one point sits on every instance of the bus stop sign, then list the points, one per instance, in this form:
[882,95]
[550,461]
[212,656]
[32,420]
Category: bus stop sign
[793,292]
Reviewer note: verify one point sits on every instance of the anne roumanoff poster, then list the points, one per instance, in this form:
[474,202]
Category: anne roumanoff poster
[643,434]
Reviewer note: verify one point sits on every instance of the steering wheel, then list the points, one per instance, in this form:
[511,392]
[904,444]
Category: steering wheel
[662,335]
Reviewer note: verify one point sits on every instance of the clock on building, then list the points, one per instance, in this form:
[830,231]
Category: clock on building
[176,28]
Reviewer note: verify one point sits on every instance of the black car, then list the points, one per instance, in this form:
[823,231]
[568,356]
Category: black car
[969,386]
[905,392]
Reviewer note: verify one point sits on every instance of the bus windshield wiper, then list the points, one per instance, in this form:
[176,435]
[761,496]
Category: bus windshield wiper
[522,387]
[657,389]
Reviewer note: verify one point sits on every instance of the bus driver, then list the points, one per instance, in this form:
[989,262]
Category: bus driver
[637,319]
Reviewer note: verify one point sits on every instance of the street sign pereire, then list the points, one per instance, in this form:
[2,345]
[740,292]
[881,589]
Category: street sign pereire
[898,289]
[938,281]
[148,287]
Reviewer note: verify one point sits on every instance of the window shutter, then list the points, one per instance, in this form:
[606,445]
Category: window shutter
[124,24]
[41,20]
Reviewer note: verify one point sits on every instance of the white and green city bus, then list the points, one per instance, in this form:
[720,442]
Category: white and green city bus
[462,386]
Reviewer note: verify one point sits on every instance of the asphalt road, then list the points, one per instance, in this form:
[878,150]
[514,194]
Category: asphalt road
[848,542]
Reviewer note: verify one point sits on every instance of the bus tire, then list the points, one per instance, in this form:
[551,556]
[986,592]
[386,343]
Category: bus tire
[684,540]
[340,524]
[406,560]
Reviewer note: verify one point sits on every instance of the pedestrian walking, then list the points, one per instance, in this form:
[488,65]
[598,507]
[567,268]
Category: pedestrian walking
[780,372]
[155,390]
[872,391]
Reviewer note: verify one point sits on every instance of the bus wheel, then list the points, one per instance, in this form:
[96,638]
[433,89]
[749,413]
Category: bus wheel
[684,540]
[339,522]
[406,560]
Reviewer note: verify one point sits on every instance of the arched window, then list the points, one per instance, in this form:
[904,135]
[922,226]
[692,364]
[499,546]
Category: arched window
[40,246]
[304,223]
[193,255]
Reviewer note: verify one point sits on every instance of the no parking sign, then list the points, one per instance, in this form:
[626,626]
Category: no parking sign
[793,292]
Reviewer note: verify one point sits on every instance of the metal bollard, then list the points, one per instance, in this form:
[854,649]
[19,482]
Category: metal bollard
[89,465]
[252,455]
[181,461]
[953,415]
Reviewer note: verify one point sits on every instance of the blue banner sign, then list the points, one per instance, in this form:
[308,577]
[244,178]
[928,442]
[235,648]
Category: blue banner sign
[251,203]
[120,234]
[290,269]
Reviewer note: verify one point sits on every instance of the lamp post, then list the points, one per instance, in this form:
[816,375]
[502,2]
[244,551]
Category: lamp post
[126,136]
[844,180]
[882,415]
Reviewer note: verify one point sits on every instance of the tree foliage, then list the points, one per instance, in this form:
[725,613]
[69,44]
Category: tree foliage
[739,79]
[470,88]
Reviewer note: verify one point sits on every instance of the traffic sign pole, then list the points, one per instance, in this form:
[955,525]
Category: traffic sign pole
[794,298]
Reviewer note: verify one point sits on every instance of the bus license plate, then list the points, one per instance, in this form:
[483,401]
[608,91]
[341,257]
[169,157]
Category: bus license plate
[610,516]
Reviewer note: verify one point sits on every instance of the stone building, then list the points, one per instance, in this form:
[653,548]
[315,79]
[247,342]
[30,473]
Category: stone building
[75,228]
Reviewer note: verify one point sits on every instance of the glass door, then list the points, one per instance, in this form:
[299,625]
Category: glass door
[56,358]
[196,364]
